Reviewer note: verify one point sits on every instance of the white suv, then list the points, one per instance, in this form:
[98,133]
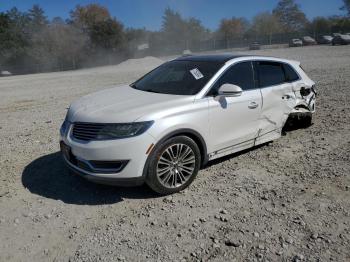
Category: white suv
[165,126]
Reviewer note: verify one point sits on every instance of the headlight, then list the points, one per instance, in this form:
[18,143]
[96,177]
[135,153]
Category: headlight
[113,131]
[64,127]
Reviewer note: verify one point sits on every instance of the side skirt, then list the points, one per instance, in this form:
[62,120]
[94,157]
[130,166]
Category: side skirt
[261,139]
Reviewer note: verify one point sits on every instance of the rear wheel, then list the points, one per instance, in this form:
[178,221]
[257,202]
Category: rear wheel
[298,120]
[173,165]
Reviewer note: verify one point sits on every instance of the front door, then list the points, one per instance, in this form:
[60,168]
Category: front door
[233,121]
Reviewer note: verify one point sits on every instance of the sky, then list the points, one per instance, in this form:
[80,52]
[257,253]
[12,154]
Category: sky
[148,13]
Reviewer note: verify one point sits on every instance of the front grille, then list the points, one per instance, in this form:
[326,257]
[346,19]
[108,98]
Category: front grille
[86,131]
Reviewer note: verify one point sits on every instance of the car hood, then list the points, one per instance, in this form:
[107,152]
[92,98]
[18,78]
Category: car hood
[122,104]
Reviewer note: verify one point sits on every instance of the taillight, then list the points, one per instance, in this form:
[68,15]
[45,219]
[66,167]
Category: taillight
[313,88]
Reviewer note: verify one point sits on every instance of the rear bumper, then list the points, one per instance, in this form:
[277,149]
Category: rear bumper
[132,181]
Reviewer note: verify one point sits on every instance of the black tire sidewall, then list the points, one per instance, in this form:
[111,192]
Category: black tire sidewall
[152,178]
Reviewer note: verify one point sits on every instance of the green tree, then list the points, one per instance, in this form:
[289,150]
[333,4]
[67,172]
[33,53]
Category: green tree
[59,46]
[320,25]
[85,17]
[340,24]
[173,28]
[346,6]
[194,32]
[14,37]
[290,16]
[266,24]
[107,34]
[179,33]
[5,37]
[231,28]
[135,37]
[37,18]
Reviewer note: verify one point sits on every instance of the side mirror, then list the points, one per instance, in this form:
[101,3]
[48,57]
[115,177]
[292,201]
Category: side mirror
[229,90]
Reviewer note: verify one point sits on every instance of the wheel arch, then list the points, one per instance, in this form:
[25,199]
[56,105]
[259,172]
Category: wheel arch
[301,107]
[195,136]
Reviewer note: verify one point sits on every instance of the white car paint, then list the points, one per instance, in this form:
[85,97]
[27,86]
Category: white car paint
[226,124]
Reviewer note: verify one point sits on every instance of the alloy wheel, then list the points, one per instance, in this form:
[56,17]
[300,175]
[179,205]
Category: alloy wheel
[176,165]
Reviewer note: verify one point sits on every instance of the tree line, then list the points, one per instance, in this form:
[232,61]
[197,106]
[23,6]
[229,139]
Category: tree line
[30,42]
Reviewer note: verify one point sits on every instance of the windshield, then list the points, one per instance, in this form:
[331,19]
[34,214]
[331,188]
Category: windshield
[178,77]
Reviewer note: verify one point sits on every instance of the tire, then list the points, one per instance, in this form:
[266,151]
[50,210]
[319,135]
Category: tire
[298,120]
[170,170]
[306,120]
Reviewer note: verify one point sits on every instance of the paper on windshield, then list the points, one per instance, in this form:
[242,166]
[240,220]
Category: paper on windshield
[196,73]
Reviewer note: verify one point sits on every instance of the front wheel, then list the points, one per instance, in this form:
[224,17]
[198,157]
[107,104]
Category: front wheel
[173,165]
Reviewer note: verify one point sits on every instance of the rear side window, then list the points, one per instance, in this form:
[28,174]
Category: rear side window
[270,73]
[291,75]
[240,74]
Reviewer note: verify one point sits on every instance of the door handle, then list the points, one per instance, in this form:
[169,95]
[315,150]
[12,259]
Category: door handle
[253,105]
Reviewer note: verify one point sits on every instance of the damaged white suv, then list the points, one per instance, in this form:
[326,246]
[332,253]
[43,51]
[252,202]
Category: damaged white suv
[165,126]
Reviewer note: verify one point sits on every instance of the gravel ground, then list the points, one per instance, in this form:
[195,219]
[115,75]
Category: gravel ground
[285,201]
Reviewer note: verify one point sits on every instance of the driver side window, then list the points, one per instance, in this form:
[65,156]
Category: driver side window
[240,74]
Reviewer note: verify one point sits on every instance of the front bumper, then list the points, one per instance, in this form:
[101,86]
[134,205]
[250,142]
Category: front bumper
[132,149]
[132,181]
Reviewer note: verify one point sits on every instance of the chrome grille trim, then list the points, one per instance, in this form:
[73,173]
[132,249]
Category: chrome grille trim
[86,131]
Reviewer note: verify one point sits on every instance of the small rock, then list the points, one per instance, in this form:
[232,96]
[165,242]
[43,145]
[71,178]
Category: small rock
[279,253]
[256,234]
[314,236]
[223,211]
[265,197]
[16,221]
[47,216]
[232,243]
[223,219]
[202,220]
[168,199]
[216,245]
[289,240]
[298,258]
[259,255]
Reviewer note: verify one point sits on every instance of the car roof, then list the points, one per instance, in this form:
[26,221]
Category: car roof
[225,57]
[219,58]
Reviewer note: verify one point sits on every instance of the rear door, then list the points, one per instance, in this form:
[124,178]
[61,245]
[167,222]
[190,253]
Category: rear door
[233,121]
[278,97]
